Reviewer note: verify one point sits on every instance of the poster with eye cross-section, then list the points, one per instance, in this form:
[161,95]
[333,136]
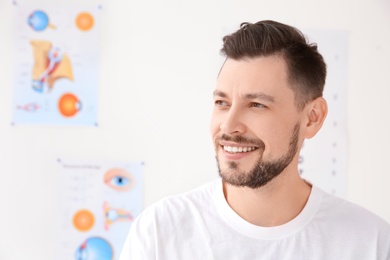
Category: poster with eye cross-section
[56,63]
[99,201]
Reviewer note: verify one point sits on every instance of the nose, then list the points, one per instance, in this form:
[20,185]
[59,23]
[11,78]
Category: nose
[232,123]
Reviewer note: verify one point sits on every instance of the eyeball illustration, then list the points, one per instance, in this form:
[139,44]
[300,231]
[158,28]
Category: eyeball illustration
[119,179]
[95,248]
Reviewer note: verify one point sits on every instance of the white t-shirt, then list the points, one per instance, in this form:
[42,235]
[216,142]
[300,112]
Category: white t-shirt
[201,225]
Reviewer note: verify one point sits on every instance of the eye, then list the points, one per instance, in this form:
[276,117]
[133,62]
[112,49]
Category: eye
[119,179]
[221,103]
[257,105]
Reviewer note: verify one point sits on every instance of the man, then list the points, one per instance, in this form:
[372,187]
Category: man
[268,99]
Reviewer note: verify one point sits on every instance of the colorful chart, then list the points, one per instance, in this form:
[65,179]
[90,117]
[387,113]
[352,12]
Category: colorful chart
[56,63]
[99,201]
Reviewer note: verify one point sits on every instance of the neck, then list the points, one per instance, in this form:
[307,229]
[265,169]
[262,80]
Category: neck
[274,204]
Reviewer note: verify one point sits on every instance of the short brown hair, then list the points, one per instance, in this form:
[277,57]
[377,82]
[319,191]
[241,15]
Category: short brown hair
[306,66]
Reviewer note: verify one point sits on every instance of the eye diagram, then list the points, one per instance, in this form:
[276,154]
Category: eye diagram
[113,215]
[69,105]
[29,107]
[39,21]
[50,65]
[84,21]
[83,220]
[56,51]
[119,179]
[94,248]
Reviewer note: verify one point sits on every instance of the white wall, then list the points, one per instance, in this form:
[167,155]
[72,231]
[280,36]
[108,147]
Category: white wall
[159,64]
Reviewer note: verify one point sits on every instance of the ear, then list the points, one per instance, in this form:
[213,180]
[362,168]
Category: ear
[316,112]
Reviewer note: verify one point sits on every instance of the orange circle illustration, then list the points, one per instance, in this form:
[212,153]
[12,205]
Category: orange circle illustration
[69,105]
[84,21]
[83,220]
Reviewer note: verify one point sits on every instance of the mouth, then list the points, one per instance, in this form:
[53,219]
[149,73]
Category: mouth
[238,149]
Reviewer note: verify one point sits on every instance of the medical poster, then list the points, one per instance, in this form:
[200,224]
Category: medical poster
[98,202]
[56,64]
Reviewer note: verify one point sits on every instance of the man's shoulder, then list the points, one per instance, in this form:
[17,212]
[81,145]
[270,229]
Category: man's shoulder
[349,214]
[181,219]
[195,199]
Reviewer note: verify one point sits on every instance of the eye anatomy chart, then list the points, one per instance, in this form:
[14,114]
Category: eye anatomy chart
[323,159]
[98,203]
[56,65]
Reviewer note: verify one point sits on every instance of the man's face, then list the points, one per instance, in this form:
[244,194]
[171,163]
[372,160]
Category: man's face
[255,124]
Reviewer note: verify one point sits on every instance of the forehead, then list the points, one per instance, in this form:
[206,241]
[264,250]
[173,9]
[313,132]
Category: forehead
[267,75]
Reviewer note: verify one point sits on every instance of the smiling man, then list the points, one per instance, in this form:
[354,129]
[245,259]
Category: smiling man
[267,101]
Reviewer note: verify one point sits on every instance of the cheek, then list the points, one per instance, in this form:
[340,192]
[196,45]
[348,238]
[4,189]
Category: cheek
[275,136]
[279,141]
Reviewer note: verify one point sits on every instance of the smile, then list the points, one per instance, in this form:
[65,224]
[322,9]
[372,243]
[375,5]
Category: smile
[235,149]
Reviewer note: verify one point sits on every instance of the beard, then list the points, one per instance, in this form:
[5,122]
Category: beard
[263,171]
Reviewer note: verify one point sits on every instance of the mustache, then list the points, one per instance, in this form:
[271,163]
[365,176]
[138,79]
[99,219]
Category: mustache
[241,140]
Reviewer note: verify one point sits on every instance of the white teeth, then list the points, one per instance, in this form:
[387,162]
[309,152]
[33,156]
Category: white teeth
[235,149]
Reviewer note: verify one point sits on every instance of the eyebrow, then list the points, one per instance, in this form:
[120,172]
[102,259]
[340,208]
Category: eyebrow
[219,93]
[260,96]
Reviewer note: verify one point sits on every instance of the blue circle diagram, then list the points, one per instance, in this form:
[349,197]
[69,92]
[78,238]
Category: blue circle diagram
[94,248]
[38,20]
